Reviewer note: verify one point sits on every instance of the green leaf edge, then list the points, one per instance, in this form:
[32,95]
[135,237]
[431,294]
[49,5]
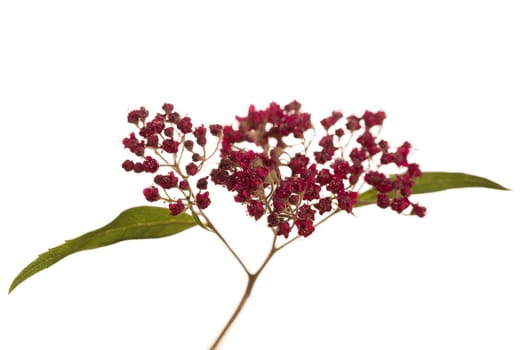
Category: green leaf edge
[127,222]
[434,181]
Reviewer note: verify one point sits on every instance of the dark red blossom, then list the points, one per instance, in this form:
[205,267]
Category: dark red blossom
[150,165]
[399,204]
[418,210]
[353,123]
[153,127]
[177,207]
[324,177]
[283,229]
[331,120]
[367,140]
[170,146]
[346,200]
[383,200]
[341,168]
[166,181]
[304,227]
[168,132]
[202,200]
[137,115]
[192,169]
[184,125]
[373,119]
[200,135]
[153,141]
[339,132]
[128,165]
[324,205]
[134,145]
[255,209]
[297,163]
[215,129]
[400,157]
[167,108]
[184,185]
[202,183]
[137,167]
[188,144]
[151,193]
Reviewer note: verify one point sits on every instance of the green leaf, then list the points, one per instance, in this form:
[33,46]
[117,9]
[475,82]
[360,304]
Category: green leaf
[437,181]
[135,223]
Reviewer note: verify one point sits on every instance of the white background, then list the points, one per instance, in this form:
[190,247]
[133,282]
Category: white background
[450,76]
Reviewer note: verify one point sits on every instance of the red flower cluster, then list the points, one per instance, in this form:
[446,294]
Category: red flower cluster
[169,137]
[266,161]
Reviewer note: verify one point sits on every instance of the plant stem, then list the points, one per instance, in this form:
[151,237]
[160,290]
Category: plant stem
[252,278]
[246,295]
[218,234]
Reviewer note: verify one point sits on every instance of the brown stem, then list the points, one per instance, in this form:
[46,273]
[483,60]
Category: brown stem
[246,295]
[252,278]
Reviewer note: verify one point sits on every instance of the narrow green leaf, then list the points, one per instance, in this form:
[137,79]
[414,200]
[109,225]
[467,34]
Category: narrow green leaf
[437,181]
[135,223]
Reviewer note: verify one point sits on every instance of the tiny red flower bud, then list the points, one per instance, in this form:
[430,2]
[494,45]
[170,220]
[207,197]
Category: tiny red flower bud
[283,229]
[134,145]
[184,125]
[202,183]
[418,210]
[184,185]
[346,200]
[400,157]
[137,167]
[153,141]
[384,146]
[137,115]
[293,107]
[294,199]
[167,108]
[324,177]
[199,131]
[399,204]
[188,144]
[372,119]
[358,155]
[273,219]
[201,141]
[173,117]
[413,170]
[170,146]
[151,193]
[324,205]
[383,200]
[202,200]
[329,121]
[176,208]
[387,158]
[166,181]
[192,169]
[128,165]
[255,209]
[196,157]
[169,132]
[215,129]
[150,165]
[353,123]
[304,227]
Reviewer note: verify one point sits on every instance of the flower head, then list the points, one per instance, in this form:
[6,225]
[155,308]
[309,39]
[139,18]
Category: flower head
[266,159]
